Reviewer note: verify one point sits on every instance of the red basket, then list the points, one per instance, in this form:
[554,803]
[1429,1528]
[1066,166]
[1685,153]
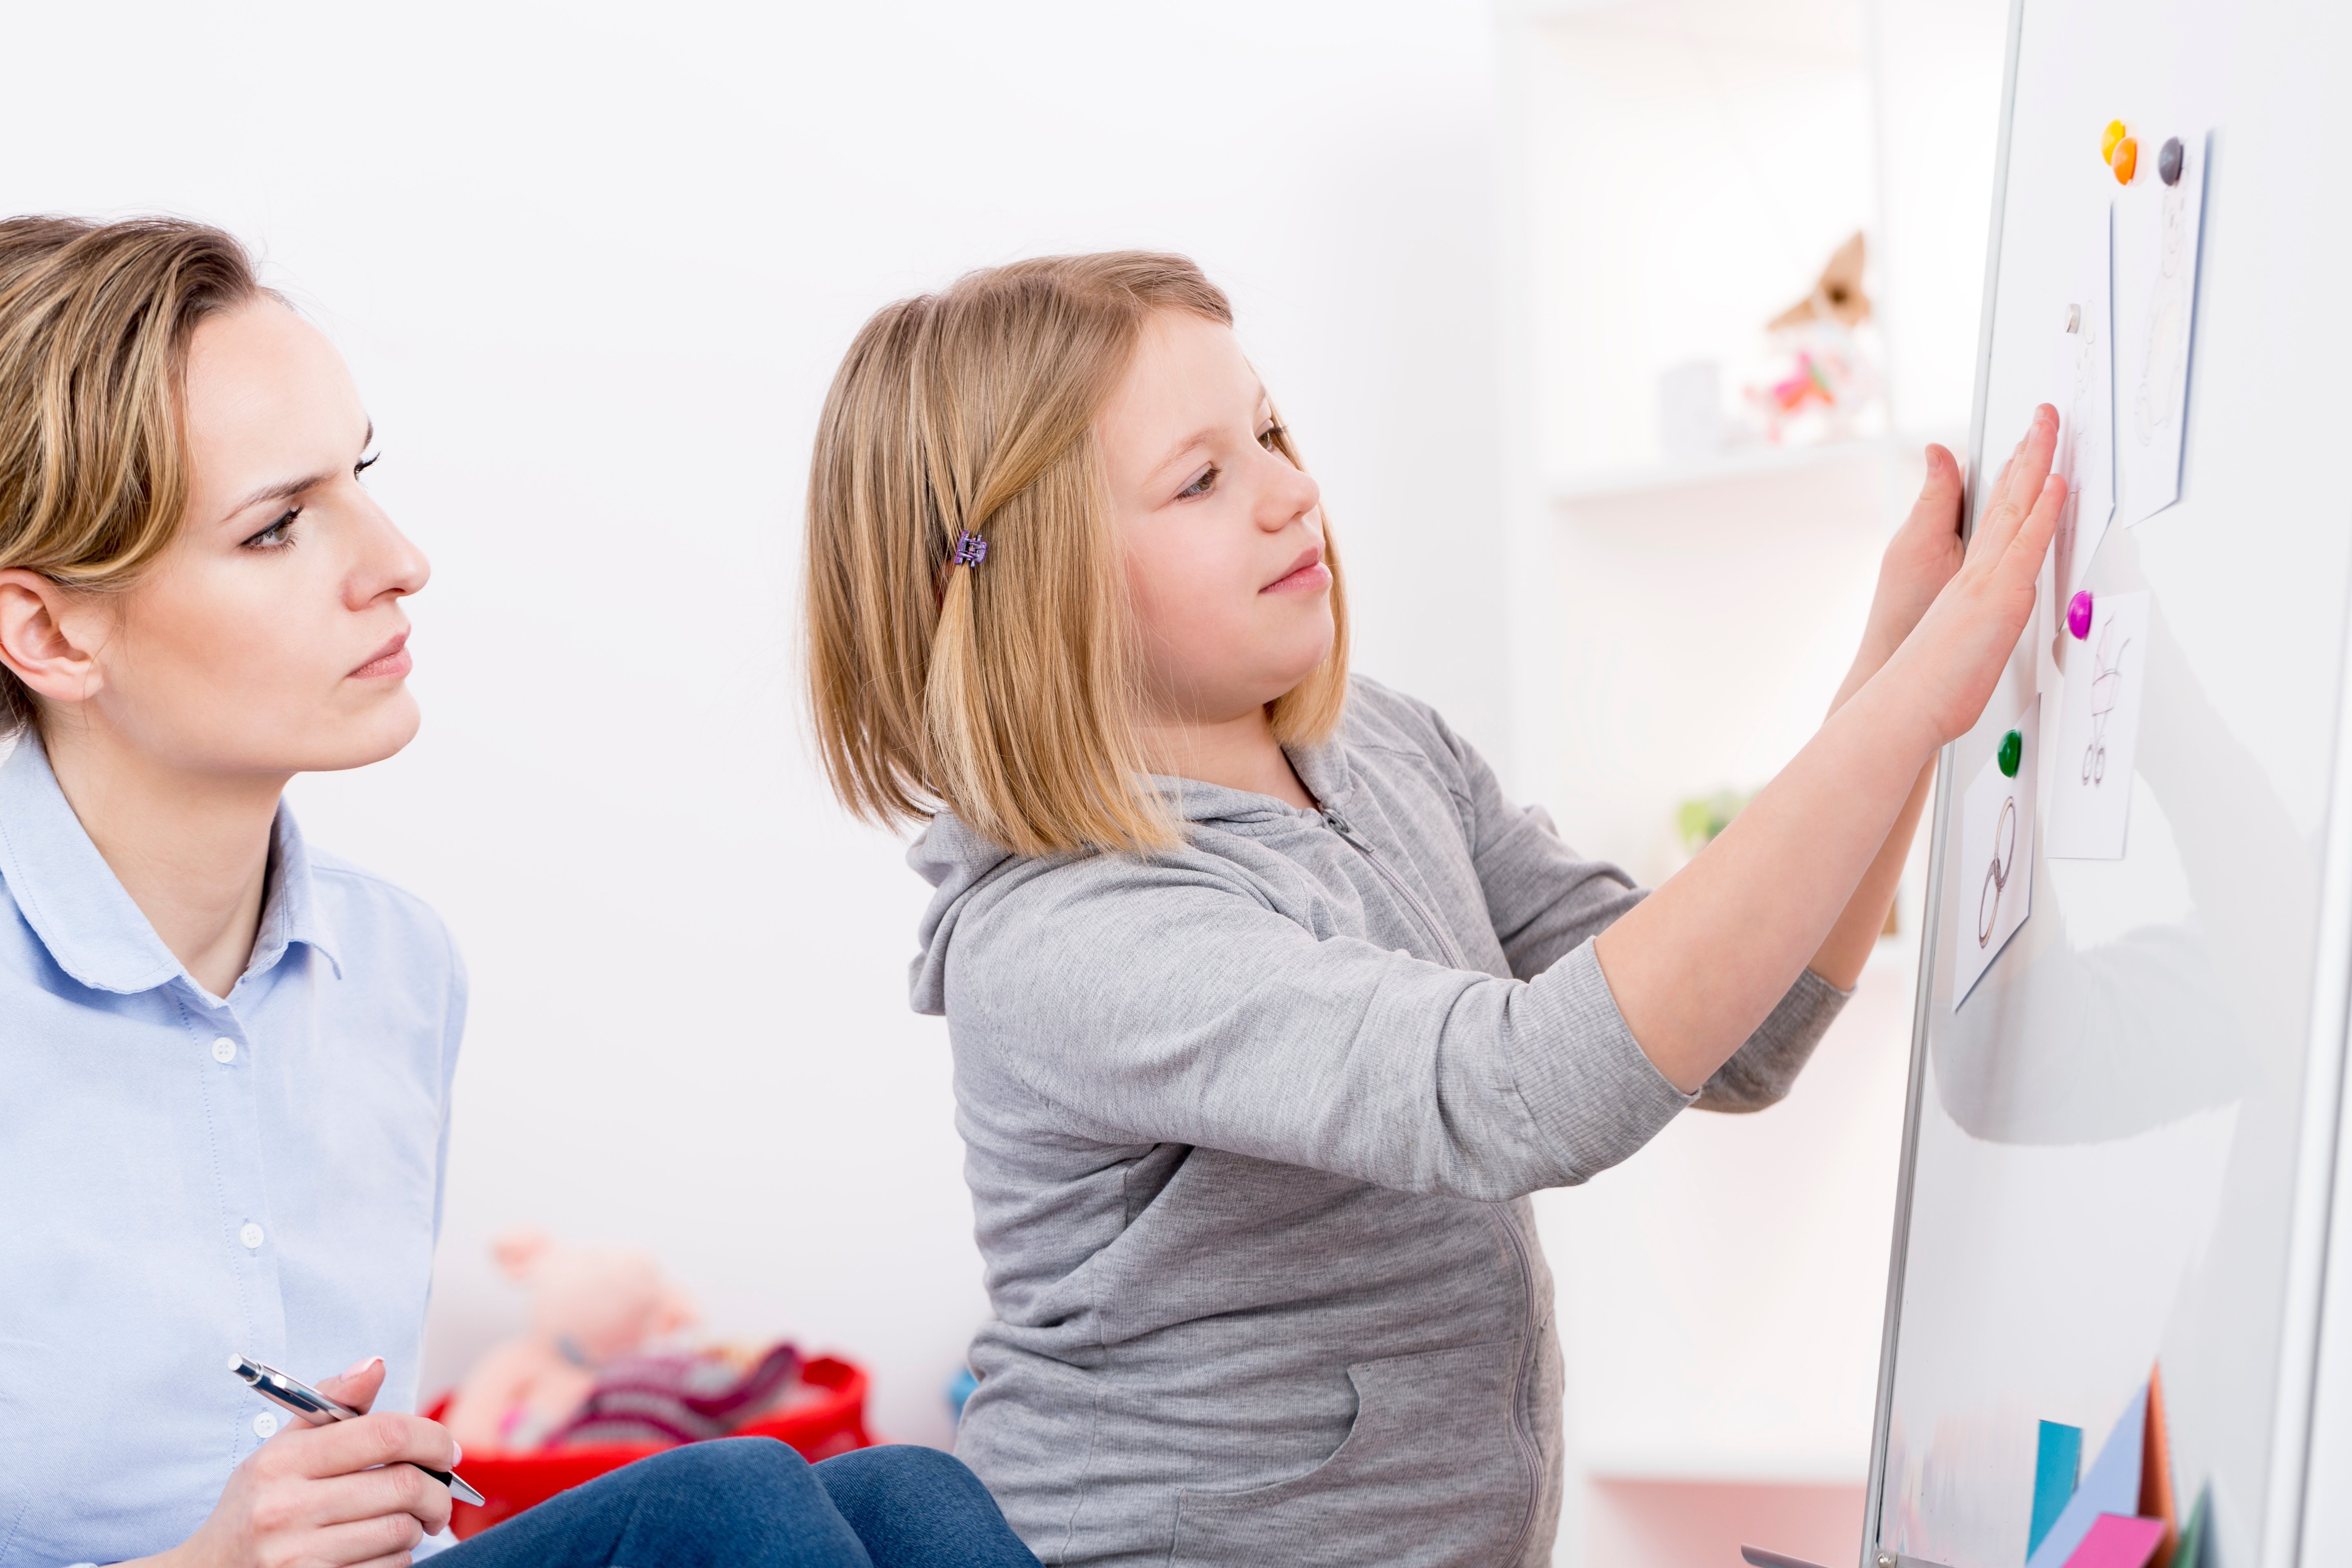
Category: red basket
[510,1483]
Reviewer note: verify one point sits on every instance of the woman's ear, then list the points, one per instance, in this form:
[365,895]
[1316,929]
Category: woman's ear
[42,628]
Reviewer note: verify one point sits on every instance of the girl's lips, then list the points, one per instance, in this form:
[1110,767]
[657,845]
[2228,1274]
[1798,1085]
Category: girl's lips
[390,661]
[1308,574]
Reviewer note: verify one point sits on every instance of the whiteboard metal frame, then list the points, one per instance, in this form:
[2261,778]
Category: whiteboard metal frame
[2309,1312]
[1931,924]
[2307,1307]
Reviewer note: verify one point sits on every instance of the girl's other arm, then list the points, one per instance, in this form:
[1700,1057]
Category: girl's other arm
[1920,558]
[1804,876]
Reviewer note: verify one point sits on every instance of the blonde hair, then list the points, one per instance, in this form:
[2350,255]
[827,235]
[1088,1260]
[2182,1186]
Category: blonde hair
[95,321]
[1005,693]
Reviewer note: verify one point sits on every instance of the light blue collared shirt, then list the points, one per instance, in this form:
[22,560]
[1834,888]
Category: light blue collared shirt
[185,1179]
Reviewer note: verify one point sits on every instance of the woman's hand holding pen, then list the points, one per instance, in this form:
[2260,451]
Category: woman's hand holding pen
[328,1497]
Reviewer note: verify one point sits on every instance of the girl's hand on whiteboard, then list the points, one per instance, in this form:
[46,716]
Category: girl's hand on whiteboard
[1920,558]
[1952,660]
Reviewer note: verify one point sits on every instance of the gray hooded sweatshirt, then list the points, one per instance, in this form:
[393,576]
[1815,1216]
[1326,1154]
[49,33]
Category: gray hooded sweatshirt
[1249,1127]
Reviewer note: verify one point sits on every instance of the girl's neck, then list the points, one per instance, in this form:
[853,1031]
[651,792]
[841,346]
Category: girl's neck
[1239,752]
[191,848]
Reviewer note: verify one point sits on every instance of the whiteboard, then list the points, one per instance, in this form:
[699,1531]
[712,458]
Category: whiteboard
[2119,1143]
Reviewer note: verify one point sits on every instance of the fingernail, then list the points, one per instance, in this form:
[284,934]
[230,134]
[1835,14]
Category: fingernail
[358,1367]
[457,1454]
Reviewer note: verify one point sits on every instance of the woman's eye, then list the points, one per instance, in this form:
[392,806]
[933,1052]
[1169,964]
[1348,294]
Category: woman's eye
[279,535]
[1199,486]
[1270,437]
[365,464]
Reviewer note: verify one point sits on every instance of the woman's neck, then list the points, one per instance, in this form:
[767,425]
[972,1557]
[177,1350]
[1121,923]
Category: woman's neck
[1239,752]
[190,848]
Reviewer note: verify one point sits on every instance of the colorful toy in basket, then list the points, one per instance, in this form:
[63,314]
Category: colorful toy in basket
[682,1398]
[590,1308]
[589,1389]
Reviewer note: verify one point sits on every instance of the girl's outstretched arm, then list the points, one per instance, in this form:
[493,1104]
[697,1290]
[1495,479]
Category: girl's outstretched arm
[1803,876]
[1920,558]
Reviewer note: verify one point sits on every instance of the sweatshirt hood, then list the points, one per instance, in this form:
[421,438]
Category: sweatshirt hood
[957,861]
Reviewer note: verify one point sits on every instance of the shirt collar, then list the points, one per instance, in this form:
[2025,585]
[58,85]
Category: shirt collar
[71,899]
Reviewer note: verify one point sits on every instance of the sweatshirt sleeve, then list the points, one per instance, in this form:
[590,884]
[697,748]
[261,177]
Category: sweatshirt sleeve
[1546,901]
[1193,1014]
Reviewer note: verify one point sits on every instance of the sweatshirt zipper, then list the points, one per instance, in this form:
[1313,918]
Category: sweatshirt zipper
[1338,824]
[1529,1454]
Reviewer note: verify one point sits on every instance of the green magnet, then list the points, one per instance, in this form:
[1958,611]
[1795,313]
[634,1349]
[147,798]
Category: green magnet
[2013,751]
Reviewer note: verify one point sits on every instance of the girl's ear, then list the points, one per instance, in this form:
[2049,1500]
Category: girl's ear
[42,629]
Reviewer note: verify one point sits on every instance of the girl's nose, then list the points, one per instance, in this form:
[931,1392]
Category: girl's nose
[1290,494]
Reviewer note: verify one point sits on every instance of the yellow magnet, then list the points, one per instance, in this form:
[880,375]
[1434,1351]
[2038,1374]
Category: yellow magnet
[2114,134]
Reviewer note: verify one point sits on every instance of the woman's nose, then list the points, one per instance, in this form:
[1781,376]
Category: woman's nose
[392,564]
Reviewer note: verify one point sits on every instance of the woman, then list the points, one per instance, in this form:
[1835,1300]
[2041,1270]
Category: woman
[229,1055]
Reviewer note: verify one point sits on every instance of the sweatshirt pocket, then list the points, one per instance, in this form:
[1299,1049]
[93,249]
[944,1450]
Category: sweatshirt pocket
[1431,1473]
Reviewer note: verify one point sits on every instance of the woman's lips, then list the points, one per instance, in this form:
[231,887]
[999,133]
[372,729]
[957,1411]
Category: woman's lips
[1308,573]
[390,661]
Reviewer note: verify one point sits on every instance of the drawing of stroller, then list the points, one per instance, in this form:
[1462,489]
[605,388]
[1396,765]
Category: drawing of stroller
[2106,684]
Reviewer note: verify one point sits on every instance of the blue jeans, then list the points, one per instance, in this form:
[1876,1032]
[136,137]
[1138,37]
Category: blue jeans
[752,1502]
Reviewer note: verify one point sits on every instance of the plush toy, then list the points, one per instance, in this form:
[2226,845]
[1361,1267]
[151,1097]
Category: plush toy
[588,1306]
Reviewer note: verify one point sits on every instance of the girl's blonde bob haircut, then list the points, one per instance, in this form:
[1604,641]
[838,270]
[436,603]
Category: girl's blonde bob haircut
[95,321]
[1004,692]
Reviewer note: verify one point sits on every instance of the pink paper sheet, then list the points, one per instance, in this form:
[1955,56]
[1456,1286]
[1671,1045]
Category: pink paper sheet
[2118,1542]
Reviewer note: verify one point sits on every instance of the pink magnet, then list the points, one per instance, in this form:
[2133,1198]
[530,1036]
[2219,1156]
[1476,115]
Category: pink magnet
[2078,614]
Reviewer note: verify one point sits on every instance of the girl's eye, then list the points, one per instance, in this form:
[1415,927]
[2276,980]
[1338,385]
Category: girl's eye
[1201,485]
[1270,437]
[279,535]
[365,464]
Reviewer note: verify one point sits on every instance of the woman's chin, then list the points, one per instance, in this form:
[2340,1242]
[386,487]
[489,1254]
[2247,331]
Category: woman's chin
[356,743]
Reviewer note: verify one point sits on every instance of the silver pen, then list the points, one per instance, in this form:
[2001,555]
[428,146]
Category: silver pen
[293,1393]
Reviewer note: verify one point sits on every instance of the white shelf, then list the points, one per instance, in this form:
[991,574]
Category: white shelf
[1742,463]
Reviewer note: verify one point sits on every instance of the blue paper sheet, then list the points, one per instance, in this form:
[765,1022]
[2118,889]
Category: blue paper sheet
[2112,1487]
[2057,1466]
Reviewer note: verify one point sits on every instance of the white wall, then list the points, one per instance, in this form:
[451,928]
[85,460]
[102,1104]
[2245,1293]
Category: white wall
[593,267]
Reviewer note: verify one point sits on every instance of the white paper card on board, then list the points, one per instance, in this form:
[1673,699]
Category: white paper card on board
[2084,393]
[1995,871]
[2098,726]
[2155,229]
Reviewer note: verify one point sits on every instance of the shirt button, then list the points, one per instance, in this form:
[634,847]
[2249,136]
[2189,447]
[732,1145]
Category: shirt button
[265,1426]
[251,1236]
[223,1051]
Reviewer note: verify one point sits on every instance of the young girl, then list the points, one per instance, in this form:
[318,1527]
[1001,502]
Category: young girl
[228,1055]
[1268,1009]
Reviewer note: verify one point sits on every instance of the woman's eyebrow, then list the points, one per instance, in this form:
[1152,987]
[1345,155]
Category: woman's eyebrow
[284,489]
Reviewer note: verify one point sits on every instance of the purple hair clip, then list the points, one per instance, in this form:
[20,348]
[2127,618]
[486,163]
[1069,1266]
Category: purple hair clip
[971,549]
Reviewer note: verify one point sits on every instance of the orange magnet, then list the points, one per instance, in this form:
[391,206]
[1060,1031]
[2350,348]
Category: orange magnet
[2124,160]
[2114,134]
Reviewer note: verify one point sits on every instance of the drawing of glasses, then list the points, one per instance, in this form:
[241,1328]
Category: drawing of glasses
[2107,682]
[1996,874]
